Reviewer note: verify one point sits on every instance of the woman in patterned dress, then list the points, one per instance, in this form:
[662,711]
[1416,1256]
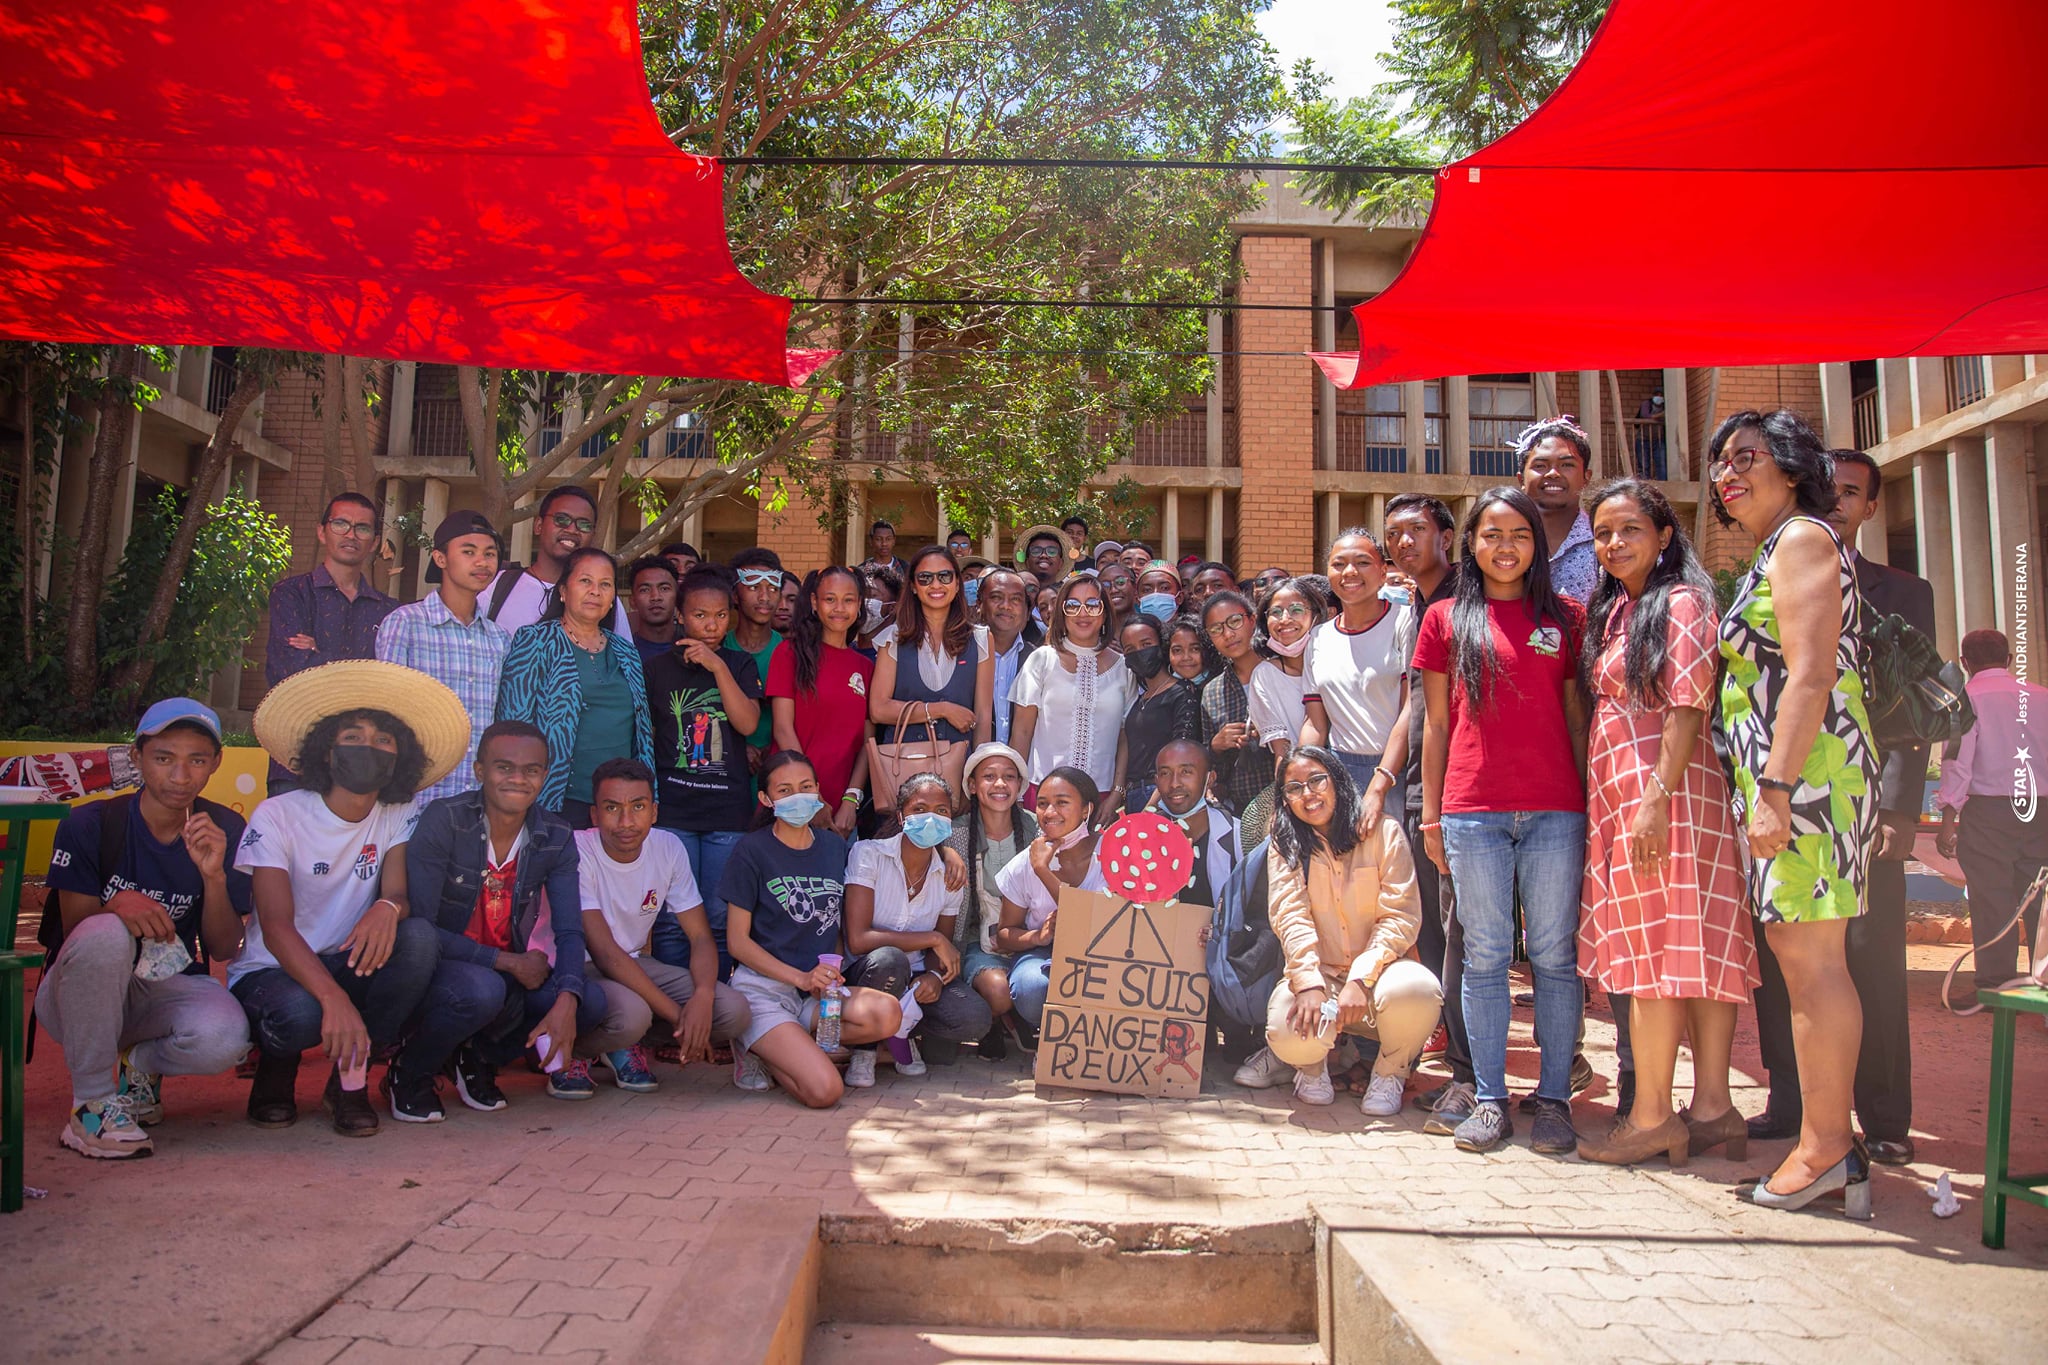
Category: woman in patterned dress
[1664,920]
[1804,771]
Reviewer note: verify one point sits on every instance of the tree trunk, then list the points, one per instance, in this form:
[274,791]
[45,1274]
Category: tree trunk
[479,399]
[24,509]
[213,461]
[89,574]
[332,390]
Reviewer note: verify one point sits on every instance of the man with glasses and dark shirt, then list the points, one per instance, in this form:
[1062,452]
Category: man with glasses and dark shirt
[334,611]
[564,523]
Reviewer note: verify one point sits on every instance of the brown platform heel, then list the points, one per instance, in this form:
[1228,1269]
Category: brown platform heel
[1731,1128]
[1625,1146]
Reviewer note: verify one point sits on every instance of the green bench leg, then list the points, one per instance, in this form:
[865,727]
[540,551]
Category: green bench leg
[1998,1128]
[13,1031]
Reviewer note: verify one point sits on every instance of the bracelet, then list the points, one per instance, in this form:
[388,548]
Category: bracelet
[1430,824]
[1659,780]
[852,794]
[1775,785]
[1382,772]
[383,900]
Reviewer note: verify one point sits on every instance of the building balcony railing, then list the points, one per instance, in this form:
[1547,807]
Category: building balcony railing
[1180,442]
[1647,456]
[1867,420]
[1377,443]
[220,379]
[1964,380]
[437,428]
[1493,446]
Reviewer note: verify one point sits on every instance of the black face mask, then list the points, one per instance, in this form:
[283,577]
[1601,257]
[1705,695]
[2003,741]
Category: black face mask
[362,769]
[1145,662]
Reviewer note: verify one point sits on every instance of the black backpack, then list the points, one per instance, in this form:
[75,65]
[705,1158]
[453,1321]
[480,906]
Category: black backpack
[508,579]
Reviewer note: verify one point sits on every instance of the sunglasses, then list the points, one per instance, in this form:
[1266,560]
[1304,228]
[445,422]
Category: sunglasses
[1075,606]
[927,577]
[342,526]
[760,578]
[1735,462]
[564,522]
[1295,790]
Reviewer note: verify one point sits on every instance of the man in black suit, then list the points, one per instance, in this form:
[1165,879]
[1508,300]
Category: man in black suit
[1876,944]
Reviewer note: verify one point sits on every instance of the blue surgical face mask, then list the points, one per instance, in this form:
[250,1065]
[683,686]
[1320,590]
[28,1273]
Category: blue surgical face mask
[972,589]
[1159,604]
[1201,804]
[927,829]
[1399,596]
[796,809]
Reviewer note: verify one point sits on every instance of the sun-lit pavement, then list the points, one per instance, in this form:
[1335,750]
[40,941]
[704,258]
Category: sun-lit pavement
[567,1229]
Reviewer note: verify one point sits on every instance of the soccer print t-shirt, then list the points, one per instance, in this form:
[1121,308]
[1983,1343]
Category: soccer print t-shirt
[794,894]
[631,895]
[700,756]
[334,866]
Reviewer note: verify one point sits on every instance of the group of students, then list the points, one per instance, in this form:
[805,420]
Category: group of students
[828,820]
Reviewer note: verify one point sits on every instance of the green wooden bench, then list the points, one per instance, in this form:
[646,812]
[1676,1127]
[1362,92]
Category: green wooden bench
[15,822]
[1999,1183]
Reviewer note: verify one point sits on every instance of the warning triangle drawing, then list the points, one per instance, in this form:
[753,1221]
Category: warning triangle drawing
[1130,936]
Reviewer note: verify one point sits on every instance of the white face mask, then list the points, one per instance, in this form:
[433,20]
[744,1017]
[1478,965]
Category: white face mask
[871,615]
[1287,651]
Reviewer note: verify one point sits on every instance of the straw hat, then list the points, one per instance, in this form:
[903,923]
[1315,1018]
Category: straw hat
[424,703]
[1068,554]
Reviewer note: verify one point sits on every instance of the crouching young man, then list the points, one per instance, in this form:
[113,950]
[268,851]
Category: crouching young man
[631,872]
[143,882]
[486,866]
[333,957]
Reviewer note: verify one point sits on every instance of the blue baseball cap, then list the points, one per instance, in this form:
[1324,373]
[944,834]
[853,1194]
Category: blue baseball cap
[170,711]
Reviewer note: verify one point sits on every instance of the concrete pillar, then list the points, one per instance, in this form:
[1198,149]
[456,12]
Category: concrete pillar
[1927,385]
[433,507]
[1333,522]
[1457,425]
[1213,539]
[1169,526]
[1894,396]
[1415,425]
[1376,514]
[1589,415]
[991,545]
[945,527]
[1212,417]
[856,523]
[2009,491]
[1969,501]
[1937,561]
[1326,340]
[404,382]
[1873,539]
[1677,441]
[1837,406]
[522,532]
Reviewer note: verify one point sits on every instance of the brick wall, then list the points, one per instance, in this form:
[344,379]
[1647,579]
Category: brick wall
[1275,409]
[801,532]
[1759,387]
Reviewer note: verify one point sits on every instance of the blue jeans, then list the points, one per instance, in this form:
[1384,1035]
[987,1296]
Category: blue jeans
[1030,983]
[284,1018]
[708,850]
[1541,854]
[1361,766]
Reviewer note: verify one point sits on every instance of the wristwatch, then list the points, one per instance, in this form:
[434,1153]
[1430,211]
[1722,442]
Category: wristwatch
[1775,785]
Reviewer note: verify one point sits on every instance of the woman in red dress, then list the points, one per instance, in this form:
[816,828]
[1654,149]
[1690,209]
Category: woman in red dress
[1664,919]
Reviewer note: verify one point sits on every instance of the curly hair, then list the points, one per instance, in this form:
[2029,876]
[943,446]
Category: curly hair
[316,754]
[1800,455]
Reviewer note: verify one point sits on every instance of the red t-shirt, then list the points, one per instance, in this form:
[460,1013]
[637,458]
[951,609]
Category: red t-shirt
[490,923]
[1516,754]
[831,722]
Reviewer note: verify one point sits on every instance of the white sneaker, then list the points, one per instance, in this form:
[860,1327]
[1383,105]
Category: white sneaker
[1262,1071]
[1313,1087]
[1383,1097]
[748,1073]
[860,1068]
[915,1066]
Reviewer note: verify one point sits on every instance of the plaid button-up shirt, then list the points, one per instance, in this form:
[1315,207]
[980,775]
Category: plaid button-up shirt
[468,658]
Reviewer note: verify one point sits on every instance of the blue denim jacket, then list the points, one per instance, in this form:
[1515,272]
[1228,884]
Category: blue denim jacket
[444,872]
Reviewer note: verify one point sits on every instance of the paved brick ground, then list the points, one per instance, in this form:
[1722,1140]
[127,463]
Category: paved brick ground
[581,1221]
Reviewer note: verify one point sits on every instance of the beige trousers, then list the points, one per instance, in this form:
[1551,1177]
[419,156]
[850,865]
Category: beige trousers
[1406,1002]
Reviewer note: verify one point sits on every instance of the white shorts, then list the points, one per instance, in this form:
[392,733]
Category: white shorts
[773,1004]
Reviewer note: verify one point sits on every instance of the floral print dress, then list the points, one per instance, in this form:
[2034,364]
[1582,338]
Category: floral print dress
[1821,874]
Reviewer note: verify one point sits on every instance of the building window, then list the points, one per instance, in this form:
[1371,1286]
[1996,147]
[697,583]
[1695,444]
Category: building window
[1502,405]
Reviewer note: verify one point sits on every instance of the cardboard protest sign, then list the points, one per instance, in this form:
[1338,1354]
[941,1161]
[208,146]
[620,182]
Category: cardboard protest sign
[1129,1006]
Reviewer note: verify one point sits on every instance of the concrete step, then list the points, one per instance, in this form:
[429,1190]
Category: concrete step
[861,1343]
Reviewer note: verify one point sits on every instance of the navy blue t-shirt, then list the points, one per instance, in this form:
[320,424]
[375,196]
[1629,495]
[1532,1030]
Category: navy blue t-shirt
[163,872]
[794,894]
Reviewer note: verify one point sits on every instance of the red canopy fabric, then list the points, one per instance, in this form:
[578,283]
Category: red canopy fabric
[463,181]
[1744,182]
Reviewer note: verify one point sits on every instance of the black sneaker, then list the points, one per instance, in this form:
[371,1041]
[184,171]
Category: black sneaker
[476,1081]
[1488,1127]
[273,1102]
[1582,1079]
[994,1046]
[1552,1132]
[1428,1100]
[1027,1036]
[412,1099]
[350,1109]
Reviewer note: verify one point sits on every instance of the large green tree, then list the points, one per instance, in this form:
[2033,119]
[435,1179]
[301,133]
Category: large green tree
[1003,406]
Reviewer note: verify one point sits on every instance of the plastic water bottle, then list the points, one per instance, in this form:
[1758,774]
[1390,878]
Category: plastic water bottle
[830,1006]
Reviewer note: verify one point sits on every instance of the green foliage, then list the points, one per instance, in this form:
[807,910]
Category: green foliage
[1728,582]
[1462,72]
[240,553]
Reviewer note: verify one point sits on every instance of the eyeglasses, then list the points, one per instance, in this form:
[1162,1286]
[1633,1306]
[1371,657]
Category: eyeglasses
[927,577]
[1287,611]
[760,578]
[1735,462]
[1237,620]
[564,522]
[1078,606]
[342,526]
[1295,790]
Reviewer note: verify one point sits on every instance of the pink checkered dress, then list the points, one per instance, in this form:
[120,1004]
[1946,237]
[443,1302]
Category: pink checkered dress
[1688,935]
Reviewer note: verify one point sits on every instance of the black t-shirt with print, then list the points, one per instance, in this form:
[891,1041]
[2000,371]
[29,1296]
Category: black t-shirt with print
[699,756]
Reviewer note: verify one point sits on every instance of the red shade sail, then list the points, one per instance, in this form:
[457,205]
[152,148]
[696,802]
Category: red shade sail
[470,181]
[1744,182]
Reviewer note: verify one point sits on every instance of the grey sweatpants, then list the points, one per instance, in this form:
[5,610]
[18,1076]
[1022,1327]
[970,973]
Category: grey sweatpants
[92,1004]
[630,1017]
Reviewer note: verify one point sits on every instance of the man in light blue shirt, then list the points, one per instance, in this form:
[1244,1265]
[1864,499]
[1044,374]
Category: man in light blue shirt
[1005,608]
